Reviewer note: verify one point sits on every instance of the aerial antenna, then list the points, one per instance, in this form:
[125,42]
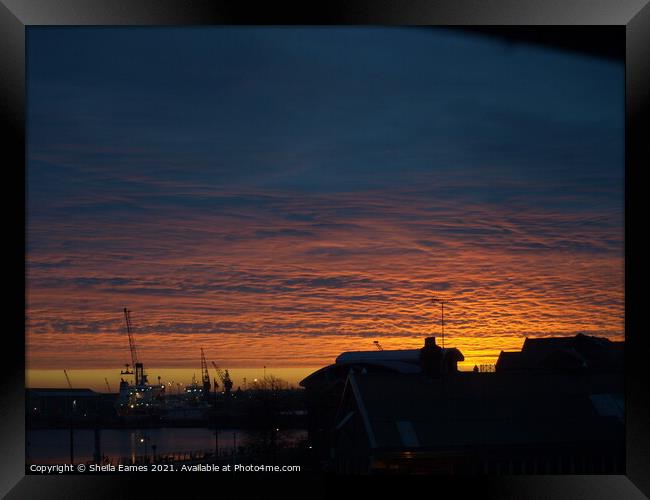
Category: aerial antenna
[442,302]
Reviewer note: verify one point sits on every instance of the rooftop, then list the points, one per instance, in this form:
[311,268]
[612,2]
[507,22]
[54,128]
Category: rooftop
[54,392]
[552,353]
[471,409]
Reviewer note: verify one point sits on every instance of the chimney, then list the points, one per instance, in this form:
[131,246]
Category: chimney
[430,358]
[429,342]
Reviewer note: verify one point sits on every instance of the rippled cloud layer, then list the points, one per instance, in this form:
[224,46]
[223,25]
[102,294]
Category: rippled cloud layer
[296,281]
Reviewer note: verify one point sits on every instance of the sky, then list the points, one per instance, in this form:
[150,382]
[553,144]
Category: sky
[280,195]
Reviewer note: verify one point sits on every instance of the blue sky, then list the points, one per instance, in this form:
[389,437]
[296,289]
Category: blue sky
[322,109]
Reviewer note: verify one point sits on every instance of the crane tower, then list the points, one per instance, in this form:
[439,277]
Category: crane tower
[224,376]
[205,376]
[140,377]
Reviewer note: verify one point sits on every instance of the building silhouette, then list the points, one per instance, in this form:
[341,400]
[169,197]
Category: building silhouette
[555,407]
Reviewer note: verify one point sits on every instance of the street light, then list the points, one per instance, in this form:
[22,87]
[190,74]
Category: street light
[144,439]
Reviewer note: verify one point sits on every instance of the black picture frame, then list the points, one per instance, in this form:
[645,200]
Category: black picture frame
[631,17]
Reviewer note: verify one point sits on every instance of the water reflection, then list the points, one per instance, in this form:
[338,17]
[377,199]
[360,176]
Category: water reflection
[52,446]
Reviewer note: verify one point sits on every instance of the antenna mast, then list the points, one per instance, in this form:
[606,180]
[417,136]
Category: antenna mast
[442,303]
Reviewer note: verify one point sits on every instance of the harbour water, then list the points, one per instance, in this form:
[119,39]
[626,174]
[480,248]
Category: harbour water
[52,446]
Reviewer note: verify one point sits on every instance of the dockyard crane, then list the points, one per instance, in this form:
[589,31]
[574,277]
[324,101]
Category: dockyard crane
[140,377]
[129,331]
[224,376]
[74,401]
[378,345]
[205,376]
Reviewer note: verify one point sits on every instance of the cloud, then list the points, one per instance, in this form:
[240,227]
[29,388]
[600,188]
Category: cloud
[185,273]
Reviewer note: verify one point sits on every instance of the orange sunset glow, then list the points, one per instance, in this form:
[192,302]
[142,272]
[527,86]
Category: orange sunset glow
[276,218]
